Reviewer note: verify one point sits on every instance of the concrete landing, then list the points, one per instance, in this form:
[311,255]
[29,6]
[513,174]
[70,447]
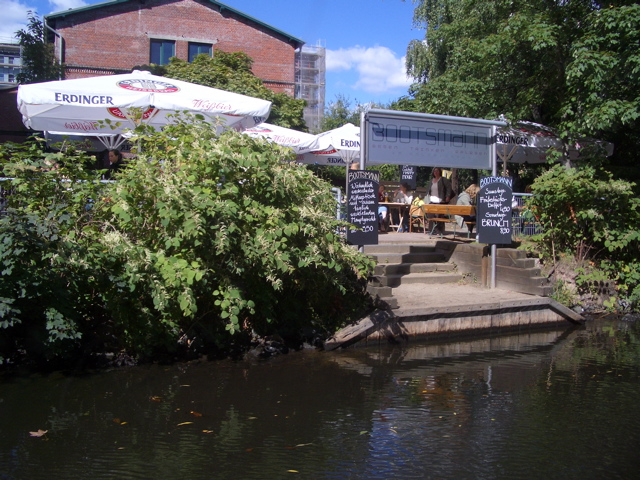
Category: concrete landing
[435,311]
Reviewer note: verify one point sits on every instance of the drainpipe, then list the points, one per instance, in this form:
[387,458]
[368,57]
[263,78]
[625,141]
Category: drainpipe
[59,35]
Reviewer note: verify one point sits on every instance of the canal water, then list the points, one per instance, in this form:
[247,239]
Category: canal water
[549,405]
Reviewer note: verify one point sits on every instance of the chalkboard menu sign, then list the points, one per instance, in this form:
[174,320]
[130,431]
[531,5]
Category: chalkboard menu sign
[408,174]
[362,207]
[494,210]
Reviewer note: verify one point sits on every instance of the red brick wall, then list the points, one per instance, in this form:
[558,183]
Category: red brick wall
[118,37]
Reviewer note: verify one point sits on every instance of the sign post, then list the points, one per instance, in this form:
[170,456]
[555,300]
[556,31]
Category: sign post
[493,220]
[494,210]
[362,206]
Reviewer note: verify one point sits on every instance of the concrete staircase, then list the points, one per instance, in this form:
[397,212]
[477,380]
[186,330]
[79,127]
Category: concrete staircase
[403,264]
[448,263]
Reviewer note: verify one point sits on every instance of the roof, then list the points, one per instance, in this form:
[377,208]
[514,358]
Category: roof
[294,40]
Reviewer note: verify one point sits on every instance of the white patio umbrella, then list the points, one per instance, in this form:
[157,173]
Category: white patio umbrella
[77,106]
[526,142]
[530,142]
[280,135]
[340,146]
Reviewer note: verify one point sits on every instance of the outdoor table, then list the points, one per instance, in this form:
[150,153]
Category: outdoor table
[401,208]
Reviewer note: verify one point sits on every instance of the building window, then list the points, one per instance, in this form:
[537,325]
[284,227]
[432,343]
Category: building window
[198,48]
[162,51]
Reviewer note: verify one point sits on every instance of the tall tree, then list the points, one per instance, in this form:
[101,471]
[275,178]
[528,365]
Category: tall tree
[561,63]
[232,72]
[603,84]
[339,113]
[39,63]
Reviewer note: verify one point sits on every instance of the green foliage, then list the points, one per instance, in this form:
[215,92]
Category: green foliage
[588,214]
[202,236]
[339,113]
[483,59]
[603,80]
[605,60]
[563,294]
[38,59]
[232,72]
[46,287]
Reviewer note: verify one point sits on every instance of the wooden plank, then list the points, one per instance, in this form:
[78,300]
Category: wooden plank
[445,209]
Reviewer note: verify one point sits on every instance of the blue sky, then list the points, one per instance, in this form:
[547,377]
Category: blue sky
[366,40]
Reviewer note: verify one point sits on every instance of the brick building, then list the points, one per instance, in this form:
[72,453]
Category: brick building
[114,36]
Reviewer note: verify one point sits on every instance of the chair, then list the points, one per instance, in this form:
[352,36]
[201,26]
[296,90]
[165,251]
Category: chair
[416,218]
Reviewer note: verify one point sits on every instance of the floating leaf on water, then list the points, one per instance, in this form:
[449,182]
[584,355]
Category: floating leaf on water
[363,432]
[293,471]
[195,414]
[303,444]
[185,423]
[38,433]
[253,418]
[207,431]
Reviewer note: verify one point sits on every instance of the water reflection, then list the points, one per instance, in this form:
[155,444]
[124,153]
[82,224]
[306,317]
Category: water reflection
[557,404]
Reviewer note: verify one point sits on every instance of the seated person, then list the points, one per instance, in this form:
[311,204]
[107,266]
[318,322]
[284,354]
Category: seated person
[402,196]
[382,210]
[468,197]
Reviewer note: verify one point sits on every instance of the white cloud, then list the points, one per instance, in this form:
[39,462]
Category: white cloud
[14,18]
[379,69]
[14,14]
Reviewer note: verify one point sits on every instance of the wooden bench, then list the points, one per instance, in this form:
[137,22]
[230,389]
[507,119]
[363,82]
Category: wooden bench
[448,214]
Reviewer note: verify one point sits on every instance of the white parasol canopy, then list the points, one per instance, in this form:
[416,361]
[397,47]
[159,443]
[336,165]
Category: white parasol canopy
[77,106]
[280,135]
[527,142]
[340,146]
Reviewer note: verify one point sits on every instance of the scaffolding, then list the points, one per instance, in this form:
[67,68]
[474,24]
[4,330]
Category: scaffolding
[310,83]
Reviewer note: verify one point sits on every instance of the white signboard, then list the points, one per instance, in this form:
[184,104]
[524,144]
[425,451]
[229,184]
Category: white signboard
[407,138]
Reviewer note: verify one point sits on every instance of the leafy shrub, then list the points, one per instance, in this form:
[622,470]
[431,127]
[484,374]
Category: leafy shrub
[588,214]
[203,236]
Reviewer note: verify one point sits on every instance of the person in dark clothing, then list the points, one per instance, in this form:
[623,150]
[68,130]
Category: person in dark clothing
[439,191]
[115,163]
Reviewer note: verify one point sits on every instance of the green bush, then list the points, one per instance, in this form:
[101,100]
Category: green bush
[587,214]
[202,237]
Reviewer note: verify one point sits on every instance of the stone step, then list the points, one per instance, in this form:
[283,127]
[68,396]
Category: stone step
[527,262]
[407,268]
[423,278]
[385,294]
[423,257]
[398,248]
